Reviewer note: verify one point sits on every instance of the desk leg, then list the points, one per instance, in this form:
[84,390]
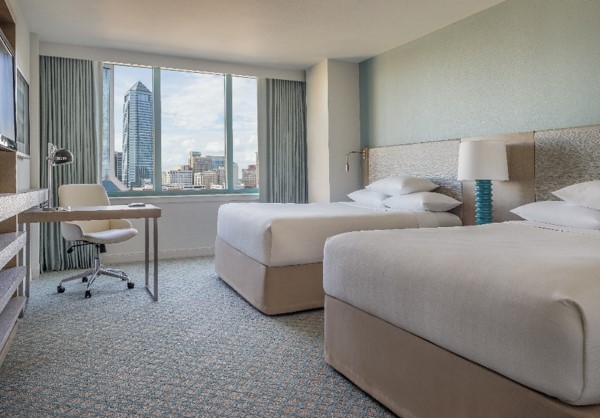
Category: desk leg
[155,259]
[146,250]
[153,292]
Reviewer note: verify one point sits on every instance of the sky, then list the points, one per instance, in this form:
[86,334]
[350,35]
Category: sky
[192,106]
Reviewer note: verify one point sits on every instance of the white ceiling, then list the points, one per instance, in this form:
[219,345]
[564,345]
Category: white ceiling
[294,34]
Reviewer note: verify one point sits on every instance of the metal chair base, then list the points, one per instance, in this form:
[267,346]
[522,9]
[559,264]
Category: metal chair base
[93,273]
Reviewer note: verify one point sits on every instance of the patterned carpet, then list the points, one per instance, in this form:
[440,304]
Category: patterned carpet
[200,351]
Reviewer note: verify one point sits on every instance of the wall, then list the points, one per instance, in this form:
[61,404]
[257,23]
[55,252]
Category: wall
[344,129]
[333,130]
[520,66]
[187,228]
[143,58]
[317,133]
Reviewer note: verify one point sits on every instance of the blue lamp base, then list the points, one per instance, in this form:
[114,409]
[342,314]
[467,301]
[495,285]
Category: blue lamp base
[483,202]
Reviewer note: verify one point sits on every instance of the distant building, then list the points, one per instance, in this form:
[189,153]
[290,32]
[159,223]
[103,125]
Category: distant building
[206,179]
[249,177]
[138,146]
[119,165]
[192,155]
[236,175]
[216,161]
[182,178]
[221,176]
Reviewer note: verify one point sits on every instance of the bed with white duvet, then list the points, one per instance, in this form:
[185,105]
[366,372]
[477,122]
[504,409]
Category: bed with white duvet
[491,320]
[284,234]
[272,253]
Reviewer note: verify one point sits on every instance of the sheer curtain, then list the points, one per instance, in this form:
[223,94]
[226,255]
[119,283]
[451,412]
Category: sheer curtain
[67,120]
[286,141]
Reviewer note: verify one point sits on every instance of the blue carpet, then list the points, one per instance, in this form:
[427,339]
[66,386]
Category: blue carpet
[201,350]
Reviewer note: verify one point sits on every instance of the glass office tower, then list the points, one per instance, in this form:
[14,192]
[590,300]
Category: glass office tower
[138,148]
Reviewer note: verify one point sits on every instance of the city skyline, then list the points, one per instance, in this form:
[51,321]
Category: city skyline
[193,114]
[208,171]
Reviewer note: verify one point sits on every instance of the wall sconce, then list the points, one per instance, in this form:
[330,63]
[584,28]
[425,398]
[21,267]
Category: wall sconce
[56,156]
[482,161]
[363,153]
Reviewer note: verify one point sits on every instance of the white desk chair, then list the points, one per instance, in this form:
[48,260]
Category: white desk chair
[97,233]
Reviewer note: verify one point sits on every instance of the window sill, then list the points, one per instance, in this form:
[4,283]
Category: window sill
[192,198]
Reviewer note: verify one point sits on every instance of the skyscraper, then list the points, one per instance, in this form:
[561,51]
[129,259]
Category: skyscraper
[138,152]
[119,165]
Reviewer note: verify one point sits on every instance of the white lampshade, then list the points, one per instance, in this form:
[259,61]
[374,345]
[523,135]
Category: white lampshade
[482,160]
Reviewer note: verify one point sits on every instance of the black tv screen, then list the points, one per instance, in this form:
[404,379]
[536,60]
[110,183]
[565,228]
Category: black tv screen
[7,97]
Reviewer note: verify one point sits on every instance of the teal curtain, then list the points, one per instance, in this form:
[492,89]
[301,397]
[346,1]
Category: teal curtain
[286,141]
[67,120]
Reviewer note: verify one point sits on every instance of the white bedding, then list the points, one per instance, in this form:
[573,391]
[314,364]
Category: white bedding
[519,298]
[280,234]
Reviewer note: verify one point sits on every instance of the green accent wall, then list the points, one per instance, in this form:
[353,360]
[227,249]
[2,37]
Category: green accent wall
[522,65]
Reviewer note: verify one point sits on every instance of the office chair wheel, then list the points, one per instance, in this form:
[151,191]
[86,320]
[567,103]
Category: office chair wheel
[88,294]
[60,288]
[84,280]
[130,285]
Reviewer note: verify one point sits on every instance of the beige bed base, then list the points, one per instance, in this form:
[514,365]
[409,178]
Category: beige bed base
[415,378]
[271,290]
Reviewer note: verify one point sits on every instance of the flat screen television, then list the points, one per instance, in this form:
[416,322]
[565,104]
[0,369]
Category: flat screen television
[7,96]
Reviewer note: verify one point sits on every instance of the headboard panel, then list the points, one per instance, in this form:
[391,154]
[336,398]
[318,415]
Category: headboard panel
[436,161]
[564,157]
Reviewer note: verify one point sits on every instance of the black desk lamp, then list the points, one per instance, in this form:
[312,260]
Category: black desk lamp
[56,156]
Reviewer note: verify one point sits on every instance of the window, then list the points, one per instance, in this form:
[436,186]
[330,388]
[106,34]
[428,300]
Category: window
[173,131]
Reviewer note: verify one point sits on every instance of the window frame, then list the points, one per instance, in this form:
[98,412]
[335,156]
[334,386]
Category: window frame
[157,136]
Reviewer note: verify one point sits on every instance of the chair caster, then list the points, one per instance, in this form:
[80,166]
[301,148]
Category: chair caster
[130,285]
[88,294]
[84,280]
[60,288]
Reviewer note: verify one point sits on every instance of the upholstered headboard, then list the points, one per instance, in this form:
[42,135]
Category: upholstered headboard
[564,157]
[538,163]
[436,161]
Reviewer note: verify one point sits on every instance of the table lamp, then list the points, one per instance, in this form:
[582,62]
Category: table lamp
[56,156]
[482,161]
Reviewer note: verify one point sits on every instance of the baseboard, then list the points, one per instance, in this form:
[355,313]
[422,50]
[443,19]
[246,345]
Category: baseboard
[162,255]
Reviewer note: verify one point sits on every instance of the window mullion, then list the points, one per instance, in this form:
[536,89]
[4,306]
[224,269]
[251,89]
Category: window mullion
[157,129]
[229,131]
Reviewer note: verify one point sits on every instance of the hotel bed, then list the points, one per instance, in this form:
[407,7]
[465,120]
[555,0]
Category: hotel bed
[272,254]
[494,320]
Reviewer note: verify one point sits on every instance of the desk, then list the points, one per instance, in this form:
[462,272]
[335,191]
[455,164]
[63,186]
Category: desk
[92,213]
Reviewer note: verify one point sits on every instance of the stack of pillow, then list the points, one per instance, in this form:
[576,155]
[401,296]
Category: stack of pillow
[579,207]
[404,193]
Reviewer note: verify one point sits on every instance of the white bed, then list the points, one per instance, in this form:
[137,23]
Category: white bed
[285,234]
[497,319]
[272,254]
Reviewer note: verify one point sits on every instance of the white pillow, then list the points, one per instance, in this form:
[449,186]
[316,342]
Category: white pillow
[368,198]
[434,202]
[560,213]
[586,194]
[396,185]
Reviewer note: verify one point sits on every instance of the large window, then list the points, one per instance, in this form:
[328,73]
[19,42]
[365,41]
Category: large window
[172,131]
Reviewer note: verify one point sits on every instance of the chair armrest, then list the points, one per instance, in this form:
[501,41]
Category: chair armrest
[71,231]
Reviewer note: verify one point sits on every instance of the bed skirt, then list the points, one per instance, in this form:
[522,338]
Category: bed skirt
[415,378]
[271,290]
